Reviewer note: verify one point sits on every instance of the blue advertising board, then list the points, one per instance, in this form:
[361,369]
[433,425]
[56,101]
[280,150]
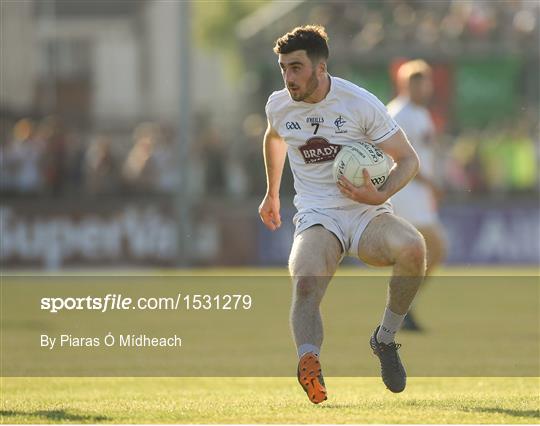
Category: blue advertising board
[477,234]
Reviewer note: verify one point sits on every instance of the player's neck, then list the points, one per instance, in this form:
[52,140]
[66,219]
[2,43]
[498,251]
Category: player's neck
[321,92]
[415,101]
[418,103]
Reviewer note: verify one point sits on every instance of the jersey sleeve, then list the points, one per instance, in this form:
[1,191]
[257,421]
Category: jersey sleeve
[269,113]
[375,120]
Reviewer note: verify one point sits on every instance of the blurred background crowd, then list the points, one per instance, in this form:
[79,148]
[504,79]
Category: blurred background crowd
[90,93]
[45,157]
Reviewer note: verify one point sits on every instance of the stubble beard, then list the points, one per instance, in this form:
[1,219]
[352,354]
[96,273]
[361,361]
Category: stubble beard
[312,85]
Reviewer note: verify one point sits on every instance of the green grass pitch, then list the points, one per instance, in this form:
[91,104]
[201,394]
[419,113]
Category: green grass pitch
[267,400]
[455,400]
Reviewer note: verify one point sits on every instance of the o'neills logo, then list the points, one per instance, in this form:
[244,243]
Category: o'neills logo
[319,150]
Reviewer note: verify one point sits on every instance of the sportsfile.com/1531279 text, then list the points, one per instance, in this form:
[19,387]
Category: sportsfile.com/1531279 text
[119,302]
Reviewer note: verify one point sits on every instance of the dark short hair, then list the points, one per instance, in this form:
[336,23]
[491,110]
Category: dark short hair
[413,70]
[311,38]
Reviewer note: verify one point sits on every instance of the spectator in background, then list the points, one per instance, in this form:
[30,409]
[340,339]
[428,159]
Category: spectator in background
[52,133]
[100,167]
[139,171]
[166,161]
[23,158]
[74,161]
[7,165]
[506,154]
[152,164]
[460,171]
[213,153]
[6,130]
[417,202]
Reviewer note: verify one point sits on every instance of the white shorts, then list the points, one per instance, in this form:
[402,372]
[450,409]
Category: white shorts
[415,204]
[346,223]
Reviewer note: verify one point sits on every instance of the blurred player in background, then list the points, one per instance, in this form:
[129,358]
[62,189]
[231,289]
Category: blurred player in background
[308,121]
[417,202]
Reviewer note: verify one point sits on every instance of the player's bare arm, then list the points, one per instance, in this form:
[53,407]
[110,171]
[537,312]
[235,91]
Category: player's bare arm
[275,151]
[406,167]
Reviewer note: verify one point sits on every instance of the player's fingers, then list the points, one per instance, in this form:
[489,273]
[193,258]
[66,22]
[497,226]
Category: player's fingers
[345,191]
[270,225]
[345,183]
[267,220]
[277,219]
[367,178]
[342,185]
[366,175]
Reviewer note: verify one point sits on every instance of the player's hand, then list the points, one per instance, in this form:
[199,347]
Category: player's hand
[366,194]
[269,212]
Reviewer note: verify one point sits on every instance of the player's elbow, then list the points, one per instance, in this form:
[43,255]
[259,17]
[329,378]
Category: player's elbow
[409,163]
[414,161]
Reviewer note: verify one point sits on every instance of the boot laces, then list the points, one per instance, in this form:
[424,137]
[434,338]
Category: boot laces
[393,353]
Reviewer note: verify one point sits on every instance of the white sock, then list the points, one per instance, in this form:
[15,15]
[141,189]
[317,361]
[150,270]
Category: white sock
[390,324]
[307,347]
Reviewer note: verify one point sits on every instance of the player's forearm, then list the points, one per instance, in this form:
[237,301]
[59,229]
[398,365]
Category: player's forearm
[403,172]
[275,152]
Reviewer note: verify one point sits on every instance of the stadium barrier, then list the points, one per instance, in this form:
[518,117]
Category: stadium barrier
[478,233]
[143,232]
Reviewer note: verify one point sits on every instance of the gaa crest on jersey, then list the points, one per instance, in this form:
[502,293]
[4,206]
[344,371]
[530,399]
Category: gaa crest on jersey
[318,150]
[292,125]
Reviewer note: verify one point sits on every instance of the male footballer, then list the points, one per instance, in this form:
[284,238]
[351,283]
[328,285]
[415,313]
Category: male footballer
[316,110]
[417,202]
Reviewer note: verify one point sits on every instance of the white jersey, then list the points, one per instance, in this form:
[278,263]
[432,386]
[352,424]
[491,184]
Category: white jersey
[316,132]
[415,201]
[417,124]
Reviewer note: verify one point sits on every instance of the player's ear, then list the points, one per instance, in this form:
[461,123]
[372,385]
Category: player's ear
[321,67]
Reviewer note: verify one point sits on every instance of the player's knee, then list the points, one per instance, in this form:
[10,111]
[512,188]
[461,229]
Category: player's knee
[412,251]
[306,286]
[314,267]
[310,286]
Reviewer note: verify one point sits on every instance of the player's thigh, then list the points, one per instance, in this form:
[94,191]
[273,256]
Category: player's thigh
[388,237]
[315,252]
